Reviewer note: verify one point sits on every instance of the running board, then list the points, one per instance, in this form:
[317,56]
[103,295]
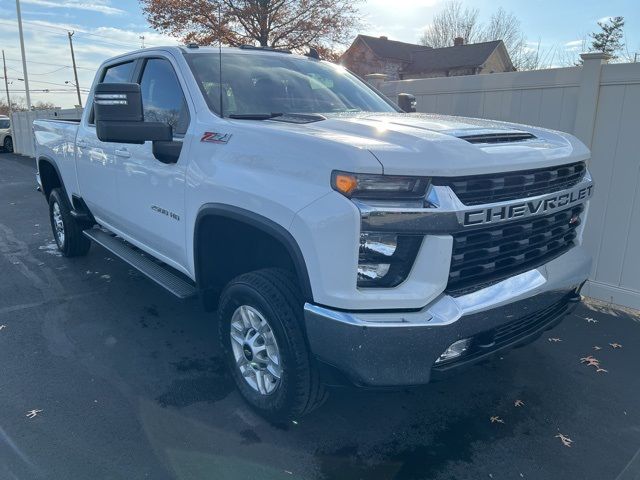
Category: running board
[145,265]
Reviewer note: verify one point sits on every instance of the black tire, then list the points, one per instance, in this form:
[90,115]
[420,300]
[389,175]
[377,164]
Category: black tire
[275,294]
[72,243]
[8,145]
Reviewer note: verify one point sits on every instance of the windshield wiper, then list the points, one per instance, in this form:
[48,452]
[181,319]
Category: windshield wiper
[255,116]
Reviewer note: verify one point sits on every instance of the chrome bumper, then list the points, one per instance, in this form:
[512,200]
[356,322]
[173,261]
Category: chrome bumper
[401,348]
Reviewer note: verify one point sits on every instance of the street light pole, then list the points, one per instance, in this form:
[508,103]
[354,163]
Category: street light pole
[24,58]
[75,70]
[6,82]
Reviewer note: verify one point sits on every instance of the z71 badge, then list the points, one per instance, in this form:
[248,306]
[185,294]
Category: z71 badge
[213,137]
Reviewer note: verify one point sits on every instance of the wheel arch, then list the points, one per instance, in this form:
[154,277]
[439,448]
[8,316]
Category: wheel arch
[219,218]
[50,176]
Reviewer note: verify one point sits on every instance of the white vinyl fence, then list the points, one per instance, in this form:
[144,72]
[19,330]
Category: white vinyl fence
[600,104]
[22,126]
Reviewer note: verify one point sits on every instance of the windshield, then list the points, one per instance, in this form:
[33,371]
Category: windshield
[266,84]
[4,123]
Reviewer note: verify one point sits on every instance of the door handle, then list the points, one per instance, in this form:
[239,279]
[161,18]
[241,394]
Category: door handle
[81,143]
[124,153]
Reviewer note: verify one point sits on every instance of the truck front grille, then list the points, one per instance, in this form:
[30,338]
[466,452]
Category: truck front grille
[499,187]
[488,255]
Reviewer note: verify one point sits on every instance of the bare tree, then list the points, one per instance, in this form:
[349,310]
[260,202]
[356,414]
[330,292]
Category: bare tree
[454,20]
[451,22]
[290,24]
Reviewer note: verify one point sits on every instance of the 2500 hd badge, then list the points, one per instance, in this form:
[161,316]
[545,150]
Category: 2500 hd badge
[525,209]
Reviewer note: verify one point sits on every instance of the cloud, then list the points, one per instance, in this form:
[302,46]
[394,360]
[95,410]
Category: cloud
[574,45]
[49,58]
[100,6]
[604,19]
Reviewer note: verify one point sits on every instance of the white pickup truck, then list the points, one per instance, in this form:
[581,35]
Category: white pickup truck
[339,238]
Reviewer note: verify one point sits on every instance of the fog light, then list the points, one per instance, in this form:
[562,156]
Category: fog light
[372,271]
[455,350]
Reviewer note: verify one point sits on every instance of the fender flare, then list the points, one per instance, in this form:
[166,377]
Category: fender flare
[52,162]
[262,223]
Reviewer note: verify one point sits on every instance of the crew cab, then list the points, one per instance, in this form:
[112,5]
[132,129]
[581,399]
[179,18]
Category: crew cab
[338,237]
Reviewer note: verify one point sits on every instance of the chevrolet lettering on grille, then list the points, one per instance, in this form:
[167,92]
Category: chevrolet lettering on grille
[523,209]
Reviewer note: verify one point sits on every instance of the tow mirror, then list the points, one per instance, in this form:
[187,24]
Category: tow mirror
[119,116]
[407,102]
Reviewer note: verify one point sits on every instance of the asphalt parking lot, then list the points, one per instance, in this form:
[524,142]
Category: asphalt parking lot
[103,375]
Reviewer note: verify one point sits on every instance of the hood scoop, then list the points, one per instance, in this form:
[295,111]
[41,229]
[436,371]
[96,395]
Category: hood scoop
[483,136]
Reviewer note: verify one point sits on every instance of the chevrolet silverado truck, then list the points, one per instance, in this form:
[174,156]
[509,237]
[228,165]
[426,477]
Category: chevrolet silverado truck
[338,237]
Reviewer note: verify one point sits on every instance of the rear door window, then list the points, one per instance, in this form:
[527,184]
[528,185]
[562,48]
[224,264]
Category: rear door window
[118,73]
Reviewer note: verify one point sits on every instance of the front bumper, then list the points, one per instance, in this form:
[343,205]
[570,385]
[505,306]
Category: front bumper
[401,348]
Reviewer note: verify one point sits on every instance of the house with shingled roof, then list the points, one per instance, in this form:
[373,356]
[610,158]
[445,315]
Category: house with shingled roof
[399,60]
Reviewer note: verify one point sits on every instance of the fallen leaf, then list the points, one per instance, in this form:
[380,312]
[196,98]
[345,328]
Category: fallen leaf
[2,327]
[554,339]
[566,441]
[601,370]
[596,348]
[496,419]
[615,345]
[33,413]
[591,320]
[518,403]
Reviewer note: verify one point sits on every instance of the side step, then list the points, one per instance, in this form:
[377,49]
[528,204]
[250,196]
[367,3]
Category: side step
[180,287]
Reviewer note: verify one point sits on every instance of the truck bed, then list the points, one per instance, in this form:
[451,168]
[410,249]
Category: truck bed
[56,139]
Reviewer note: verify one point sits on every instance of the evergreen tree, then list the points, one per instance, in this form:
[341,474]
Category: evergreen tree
[609,39]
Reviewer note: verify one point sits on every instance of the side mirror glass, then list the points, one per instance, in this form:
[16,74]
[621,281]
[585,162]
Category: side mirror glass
[407,102]
[119,116]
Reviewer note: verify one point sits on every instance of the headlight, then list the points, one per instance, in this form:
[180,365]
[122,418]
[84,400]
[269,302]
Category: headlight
[385,260]
[381,187]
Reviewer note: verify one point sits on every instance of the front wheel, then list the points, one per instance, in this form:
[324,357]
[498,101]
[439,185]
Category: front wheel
[260,320]
[67,231]
[8,145]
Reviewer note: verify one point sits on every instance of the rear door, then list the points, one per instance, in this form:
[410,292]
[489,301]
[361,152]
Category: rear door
[152,192]
[96,163]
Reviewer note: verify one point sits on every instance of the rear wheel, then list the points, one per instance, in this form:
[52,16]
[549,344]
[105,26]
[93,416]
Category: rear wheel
[8,144]
[67,231]
[260,321]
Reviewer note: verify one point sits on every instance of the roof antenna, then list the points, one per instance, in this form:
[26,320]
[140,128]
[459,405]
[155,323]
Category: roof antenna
[220,55]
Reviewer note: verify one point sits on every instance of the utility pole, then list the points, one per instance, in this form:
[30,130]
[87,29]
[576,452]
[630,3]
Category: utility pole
[635,58]
[24,58]
[75,70]
[141,37]
[6,82]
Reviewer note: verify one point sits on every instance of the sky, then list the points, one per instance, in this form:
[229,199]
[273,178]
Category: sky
[104,28]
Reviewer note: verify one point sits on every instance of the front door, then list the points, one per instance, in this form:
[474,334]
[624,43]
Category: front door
[152,193]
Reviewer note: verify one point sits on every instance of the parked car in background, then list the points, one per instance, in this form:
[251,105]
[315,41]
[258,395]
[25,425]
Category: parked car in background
[6,140]
[338,237]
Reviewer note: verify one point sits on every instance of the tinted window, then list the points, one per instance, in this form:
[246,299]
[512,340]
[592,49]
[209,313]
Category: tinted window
[4,123]
[162,97]
[118,73]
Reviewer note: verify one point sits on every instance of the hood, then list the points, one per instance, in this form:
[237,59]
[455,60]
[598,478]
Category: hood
[437,145]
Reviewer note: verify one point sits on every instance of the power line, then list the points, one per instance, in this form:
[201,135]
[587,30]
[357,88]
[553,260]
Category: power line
[48,73]
[49,64]
[46,90]
[58,31]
